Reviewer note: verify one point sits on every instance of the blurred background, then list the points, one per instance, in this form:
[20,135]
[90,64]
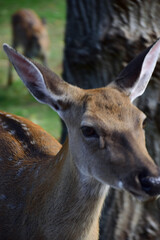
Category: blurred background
[16,99]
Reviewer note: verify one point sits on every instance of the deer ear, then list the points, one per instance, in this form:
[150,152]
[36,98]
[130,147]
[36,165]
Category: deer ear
[135,77]
[43,84]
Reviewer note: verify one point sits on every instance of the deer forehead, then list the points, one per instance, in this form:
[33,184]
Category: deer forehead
[108,105]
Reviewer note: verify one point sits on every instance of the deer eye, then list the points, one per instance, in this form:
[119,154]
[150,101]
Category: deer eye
[89,132]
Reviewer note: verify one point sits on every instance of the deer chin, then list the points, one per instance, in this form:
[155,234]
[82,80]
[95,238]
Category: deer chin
[140,194]
[136,192]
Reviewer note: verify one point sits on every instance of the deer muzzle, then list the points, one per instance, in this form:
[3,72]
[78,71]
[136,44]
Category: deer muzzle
[150,185]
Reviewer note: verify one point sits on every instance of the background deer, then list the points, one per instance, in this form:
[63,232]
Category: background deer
[30,32]
[49,191]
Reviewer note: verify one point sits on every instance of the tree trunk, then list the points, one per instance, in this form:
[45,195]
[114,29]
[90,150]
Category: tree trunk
[102,36]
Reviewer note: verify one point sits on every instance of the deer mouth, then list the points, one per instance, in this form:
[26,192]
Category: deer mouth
[142,184]
[147,188]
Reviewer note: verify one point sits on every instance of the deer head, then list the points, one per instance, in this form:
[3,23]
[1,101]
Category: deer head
[105,130]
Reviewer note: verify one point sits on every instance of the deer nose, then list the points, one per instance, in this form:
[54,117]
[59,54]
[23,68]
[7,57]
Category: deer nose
[150,185]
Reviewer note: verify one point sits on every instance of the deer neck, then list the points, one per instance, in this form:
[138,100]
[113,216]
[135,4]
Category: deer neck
[73,195]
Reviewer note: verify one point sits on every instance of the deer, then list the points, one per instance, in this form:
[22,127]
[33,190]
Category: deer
[49,191]
[30,32]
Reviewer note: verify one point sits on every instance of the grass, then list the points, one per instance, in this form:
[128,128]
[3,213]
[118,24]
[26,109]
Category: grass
[16,99]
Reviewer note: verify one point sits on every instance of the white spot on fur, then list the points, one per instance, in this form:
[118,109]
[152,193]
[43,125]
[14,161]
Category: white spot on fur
[28,133]
[25,128]
[15,119]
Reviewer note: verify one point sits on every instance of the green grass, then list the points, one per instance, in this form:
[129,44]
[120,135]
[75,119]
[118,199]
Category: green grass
[16,99]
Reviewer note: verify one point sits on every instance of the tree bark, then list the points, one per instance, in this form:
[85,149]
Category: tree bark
[101,37]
